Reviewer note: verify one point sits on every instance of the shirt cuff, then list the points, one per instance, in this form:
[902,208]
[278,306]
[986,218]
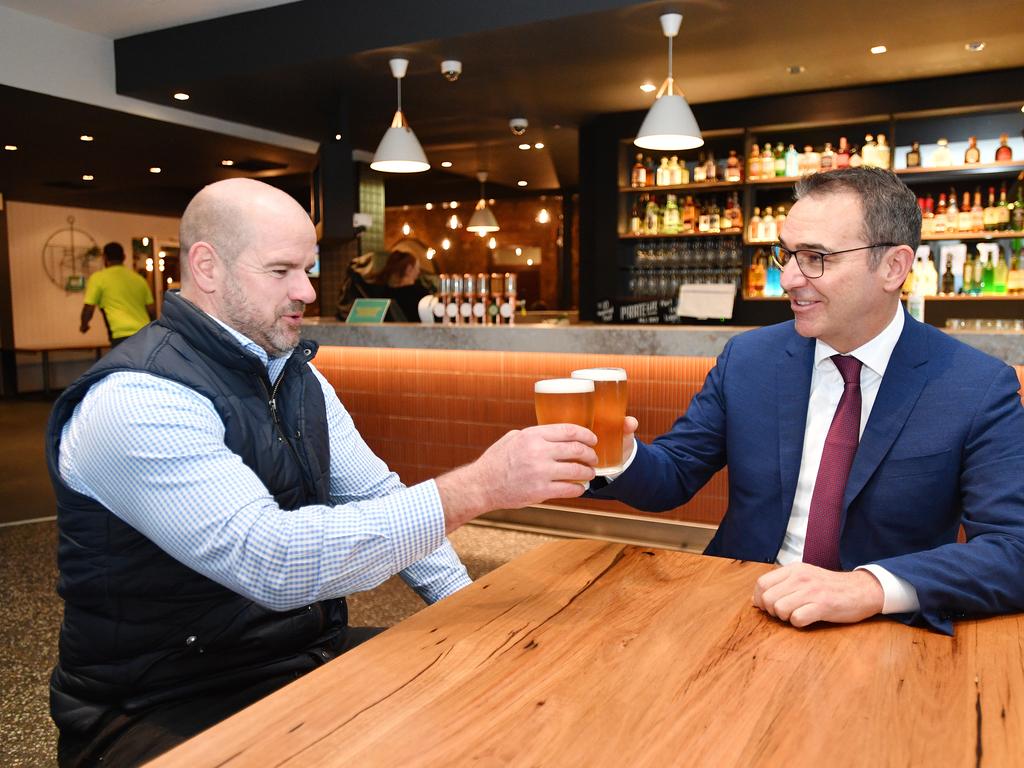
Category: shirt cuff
[625,464]
[899,595]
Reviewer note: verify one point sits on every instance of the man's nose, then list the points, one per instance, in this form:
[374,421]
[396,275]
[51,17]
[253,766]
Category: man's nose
[792,277]
[302,290]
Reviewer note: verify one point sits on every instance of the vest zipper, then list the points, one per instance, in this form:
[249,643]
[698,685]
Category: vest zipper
[272,402]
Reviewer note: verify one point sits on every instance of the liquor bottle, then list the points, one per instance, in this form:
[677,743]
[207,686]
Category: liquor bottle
[700,169]
[651,171]
[792,161]
[767,162]
[963,220]
[914,156]
[662,177]
[1002,211]
[769,230]
[780,160]
[1015,280]
[928,216]
[639,176]
[931,277]
[827,158]
[688,216]
[710,169]
[675,173]
[733,167]
[757,274]
[988,275]
[1000,273]
[780,217]
[990,221]
[636,221]
[967,278]
[754,163]
[1004,153]
[651,216]
[867,152]
[715,218]
[953,213]
[812,160]
[940,222]
[703,218]
[942,157]
[1017,215]
[670,219]
[680,172]
[883,152]
[754,226]
[737,212]
[973,154]
[977,213]
[856,161]
[772,279]
[842,159]
[948,279]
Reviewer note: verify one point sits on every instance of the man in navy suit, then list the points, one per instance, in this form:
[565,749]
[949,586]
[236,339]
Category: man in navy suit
[857,528]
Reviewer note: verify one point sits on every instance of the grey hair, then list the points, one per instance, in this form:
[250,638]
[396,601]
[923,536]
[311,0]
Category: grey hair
[891,213]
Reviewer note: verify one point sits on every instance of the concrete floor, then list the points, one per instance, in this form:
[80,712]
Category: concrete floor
[31,615]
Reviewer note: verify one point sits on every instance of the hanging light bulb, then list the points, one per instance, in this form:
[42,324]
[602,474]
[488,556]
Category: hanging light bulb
[430,254]
[543,217]
[669,123]
[399,150]
[453,222]
[483,220]
[492,243]
[406,229]
[446,244]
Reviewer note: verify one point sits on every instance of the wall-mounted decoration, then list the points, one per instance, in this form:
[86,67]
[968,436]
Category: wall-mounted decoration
[70,255]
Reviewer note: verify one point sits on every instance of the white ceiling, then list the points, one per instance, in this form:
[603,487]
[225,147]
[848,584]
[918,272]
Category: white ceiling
[121,18]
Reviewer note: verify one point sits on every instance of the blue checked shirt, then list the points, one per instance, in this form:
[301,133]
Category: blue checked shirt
[152,452]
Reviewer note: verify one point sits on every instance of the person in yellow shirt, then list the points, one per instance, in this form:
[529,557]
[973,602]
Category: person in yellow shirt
[122,295]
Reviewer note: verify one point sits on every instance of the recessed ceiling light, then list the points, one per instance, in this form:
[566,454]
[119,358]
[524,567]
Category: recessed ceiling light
[539,145]
[11,147]
[522,182]
[227,162]
[181,96]
[524,146]
[648,87]
[453,204]
[155,169]
[975,46]
[876,49]
[795,69]
[87,177]
[85,137]
[337,137]
[446,164]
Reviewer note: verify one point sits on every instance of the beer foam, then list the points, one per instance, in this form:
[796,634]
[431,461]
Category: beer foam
[600,374]
[563,386]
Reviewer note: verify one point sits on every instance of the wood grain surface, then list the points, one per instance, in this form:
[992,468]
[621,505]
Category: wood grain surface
[585,653]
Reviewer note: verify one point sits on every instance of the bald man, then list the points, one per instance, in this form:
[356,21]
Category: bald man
[215,502]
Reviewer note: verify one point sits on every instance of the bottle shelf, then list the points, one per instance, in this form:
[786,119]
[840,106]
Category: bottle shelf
[946,173]
[1004,235]
[683,235]
[700,186]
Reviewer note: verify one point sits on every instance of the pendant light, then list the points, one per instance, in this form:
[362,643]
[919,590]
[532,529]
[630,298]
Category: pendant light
[399,151]
[669,123]
[483,220]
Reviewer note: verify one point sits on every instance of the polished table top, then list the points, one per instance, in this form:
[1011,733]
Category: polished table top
[585,653]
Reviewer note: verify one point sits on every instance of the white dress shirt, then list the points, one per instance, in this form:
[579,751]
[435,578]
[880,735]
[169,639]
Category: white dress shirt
[826,390]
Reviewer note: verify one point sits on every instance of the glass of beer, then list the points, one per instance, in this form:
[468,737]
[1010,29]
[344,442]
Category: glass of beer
[564,401]
[610,399]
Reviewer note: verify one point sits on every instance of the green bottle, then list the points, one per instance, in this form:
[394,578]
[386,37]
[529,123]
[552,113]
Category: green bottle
[988,277]
[1001,273]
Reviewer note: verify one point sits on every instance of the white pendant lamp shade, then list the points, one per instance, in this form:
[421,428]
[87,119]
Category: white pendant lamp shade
[669,124]
[399,150]
[482,221]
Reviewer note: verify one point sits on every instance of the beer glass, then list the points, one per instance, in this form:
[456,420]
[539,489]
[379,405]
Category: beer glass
[564,401]
[610,398]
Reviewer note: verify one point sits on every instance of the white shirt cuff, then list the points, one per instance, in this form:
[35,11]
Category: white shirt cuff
[899,595]
[625,464]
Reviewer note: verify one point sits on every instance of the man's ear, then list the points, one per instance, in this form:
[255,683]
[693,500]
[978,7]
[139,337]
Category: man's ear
[896,265]
[205,265]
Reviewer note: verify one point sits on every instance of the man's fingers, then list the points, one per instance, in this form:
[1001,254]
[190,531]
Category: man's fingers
[630,425]
[577,452]
[805,614]
[564,433]
[559,490]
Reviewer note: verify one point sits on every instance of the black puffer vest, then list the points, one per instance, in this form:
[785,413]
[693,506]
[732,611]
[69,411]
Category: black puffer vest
[139,627]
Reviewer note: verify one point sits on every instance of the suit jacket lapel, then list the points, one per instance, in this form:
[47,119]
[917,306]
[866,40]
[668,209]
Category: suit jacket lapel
[793,381]
[901,386]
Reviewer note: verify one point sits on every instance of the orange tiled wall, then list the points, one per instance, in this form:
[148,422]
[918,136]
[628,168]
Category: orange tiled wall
[427,411]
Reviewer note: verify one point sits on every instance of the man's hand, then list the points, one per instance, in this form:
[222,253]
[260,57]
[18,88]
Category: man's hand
[629,437]
[803,594]
[524,467]
[84,327]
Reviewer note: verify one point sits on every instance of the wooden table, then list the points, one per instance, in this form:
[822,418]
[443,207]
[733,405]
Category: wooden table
[585,653]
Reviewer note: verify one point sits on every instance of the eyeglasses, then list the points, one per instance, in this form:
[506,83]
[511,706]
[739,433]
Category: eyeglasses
[812,263]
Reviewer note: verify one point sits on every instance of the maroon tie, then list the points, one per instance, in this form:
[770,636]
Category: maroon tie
[821,547]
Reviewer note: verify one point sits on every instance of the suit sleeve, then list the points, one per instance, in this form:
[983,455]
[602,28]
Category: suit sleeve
[985,576]
[670,470]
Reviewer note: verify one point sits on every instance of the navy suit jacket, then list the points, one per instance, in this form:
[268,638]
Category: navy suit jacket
[944,445]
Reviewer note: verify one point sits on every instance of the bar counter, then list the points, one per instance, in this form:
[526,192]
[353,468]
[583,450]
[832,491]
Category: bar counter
[430,398]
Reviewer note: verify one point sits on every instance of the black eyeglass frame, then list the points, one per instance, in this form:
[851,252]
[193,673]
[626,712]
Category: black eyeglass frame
[815,257]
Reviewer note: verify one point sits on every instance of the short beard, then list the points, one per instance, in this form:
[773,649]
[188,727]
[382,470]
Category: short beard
[241,316]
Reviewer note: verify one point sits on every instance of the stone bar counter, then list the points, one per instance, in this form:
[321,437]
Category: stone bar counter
[430,398]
